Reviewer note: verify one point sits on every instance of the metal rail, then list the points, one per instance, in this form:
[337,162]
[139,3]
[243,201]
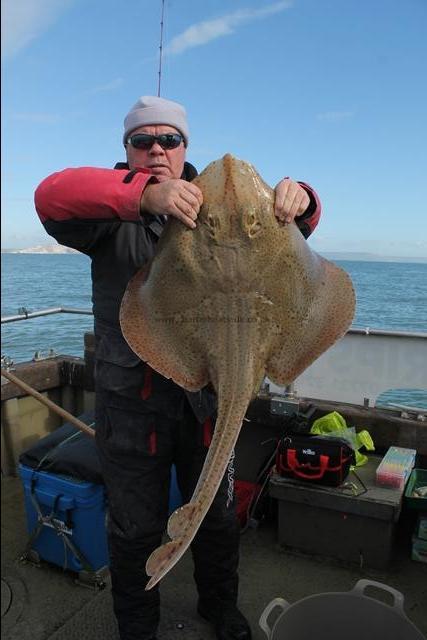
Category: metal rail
[348,372]
[26,315]
[23,314]
[367,331]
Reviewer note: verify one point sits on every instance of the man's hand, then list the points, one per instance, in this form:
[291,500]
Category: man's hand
[177,198]
[291,200]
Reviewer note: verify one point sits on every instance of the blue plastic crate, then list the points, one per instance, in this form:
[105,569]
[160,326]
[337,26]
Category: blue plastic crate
[74,511]
[73,515]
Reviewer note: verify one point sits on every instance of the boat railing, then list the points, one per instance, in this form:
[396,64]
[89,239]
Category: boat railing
[360,367]
[24,314]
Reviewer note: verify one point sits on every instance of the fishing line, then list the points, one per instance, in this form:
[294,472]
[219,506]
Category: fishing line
[161,48]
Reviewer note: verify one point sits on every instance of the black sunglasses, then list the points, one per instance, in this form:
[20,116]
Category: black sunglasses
[146,140]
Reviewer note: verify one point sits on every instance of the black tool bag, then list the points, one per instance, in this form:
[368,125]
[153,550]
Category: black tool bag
[315,459]
[66,451]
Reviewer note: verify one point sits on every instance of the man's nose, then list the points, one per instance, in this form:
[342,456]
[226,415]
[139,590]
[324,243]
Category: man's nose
[156,149]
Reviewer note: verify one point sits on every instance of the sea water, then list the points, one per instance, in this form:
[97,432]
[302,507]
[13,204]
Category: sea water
[390,295]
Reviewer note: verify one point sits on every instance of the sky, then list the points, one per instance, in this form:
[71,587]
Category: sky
[330,92]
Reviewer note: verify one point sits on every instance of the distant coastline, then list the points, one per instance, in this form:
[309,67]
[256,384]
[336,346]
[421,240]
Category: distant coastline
[49,249]
[369,257]
[58,249]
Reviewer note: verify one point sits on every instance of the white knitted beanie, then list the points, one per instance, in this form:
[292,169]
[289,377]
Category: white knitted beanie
[153,110]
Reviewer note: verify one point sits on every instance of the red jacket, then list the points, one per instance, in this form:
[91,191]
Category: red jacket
[97,212]
[89,193]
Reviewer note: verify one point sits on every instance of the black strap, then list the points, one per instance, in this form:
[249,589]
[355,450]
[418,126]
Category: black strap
[156,227]
[51,521]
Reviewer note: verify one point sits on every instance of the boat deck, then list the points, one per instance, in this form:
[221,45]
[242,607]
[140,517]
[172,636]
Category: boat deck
[43,602]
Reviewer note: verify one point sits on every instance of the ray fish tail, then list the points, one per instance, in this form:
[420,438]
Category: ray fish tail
[234,375]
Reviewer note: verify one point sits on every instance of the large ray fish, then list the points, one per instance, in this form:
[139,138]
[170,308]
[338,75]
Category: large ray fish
[240,297]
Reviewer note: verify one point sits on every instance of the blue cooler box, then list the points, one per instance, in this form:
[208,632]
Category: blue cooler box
[73,533]
[65,520]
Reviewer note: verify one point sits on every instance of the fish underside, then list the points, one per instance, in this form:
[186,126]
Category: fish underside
[239,298]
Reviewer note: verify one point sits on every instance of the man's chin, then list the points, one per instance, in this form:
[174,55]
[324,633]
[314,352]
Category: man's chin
[162,173]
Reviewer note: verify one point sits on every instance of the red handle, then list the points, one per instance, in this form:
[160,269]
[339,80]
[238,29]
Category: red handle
[294,464]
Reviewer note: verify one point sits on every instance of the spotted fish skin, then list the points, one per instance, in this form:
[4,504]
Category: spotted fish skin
[234,378]
[240,297]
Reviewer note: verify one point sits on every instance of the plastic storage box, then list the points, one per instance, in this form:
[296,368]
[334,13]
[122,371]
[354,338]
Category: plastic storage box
[421,530]
[415,499]
[419,549]
[66,521]
[395,467]
[417,479]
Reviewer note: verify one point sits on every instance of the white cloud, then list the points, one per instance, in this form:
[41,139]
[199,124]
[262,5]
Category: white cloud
[108,86]
[25,20]
[208,30]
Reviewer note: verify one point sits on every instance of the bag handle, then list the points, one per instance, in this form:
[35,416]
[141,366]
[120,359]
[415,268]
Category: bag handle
[293,463]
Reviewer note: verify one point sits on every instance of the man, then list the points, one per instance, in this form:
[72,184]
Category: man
[145,423]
